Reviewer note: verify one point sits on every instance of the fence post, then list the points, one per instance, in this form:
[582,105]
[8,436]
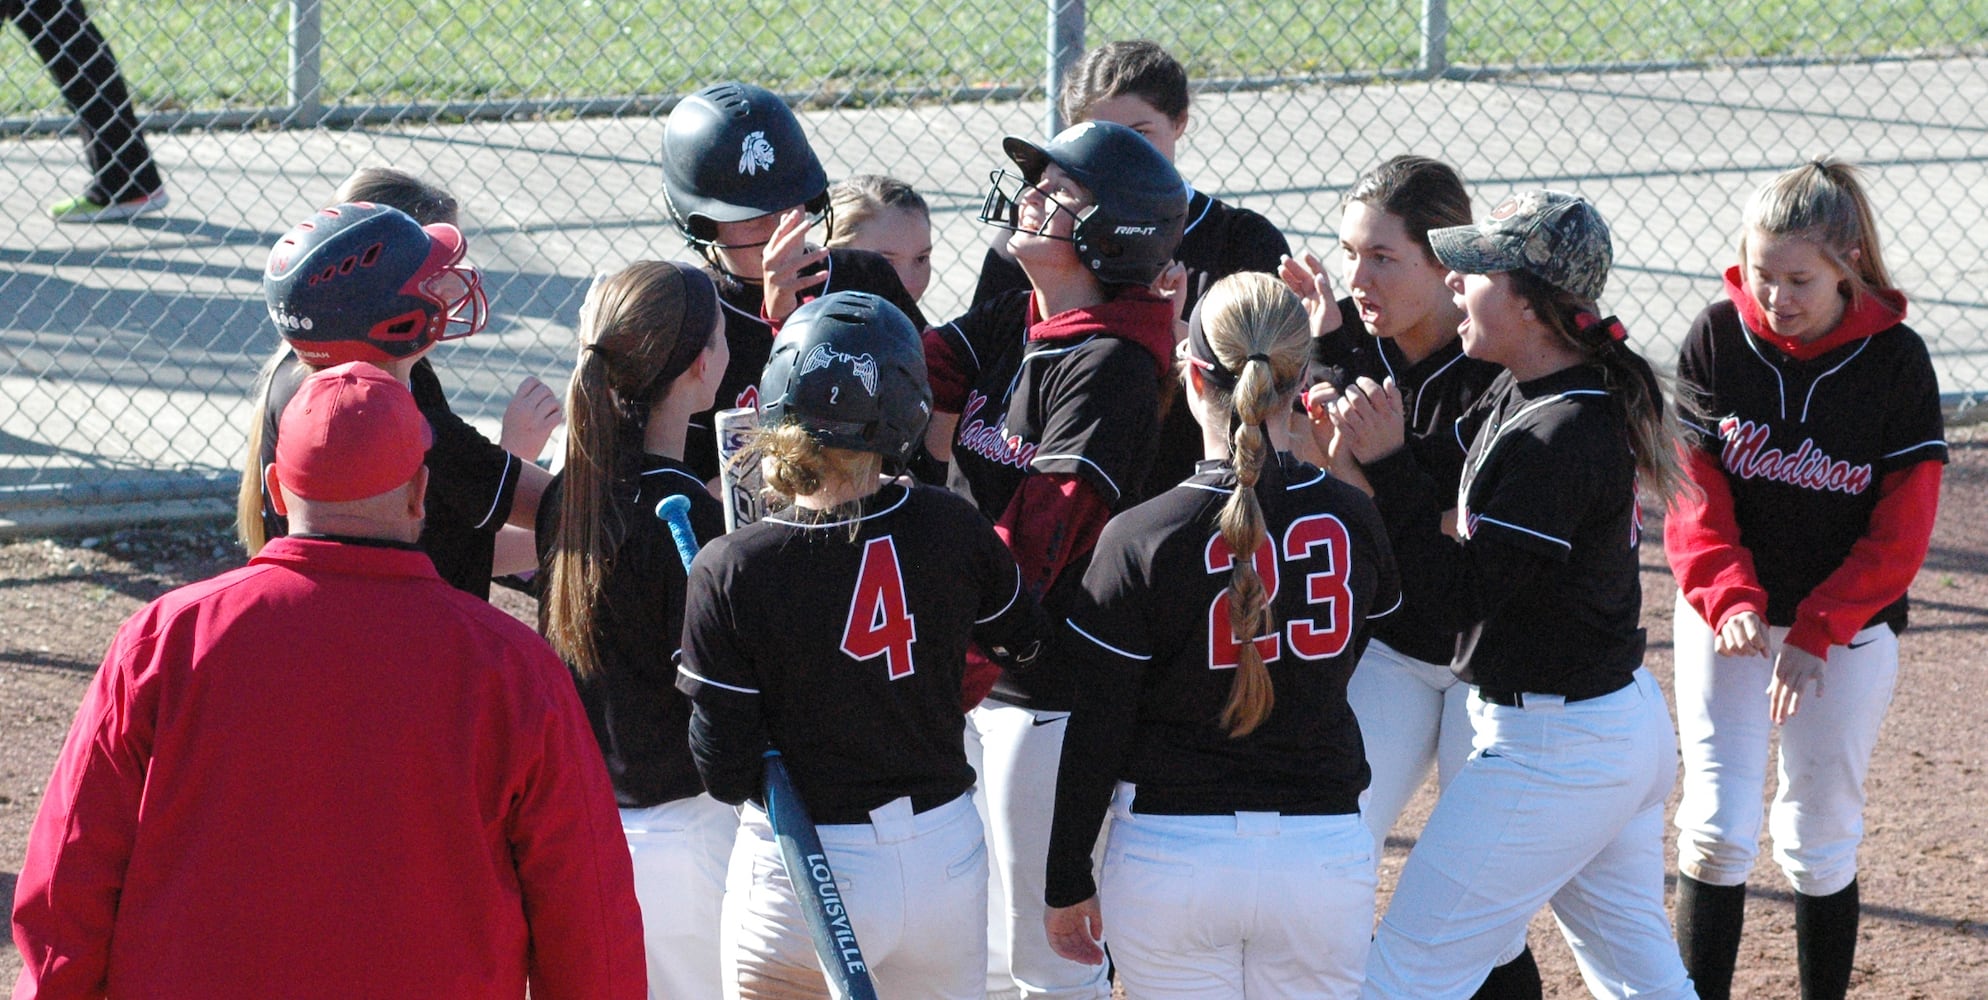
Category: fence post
[1435,38]
[306,62]
[1066,44]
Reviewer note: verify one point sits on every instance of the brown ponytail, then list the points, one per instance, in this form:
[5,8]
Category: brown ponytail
[1655,435]
[249,498]
[633,344]
[1823,201]
[1258,330]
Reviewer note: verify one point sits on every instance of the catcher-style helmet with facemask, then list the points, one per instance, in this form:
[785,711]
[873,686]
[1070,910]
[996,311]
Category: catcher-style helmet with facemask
[732,152]
[364,282]
[1139,203]
[850,368]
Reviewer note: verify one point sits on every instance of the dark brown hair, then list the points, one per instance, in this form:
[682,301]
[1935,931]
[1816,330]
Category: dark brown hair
[425,202]
[629,332]
[1119,69]
[1423,193]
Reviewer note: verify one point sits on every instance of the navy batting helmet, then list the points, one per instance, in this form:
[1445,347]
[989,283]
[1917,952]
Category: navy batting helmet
[733,152]
[1139,210]
[364,282]
[850,368]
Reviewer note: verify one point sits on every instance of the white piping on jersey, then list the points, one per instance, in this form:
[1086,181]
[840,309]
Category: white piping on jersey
[499,494]
[1481,519]
[1321,477]
[1421,392]
[1011,599]
[693,675]
[1806,400]
[960,335]
[1700,428]
[1127,654]
[1934,443]
[1780,385]
[755,317]
[845,521]
[1392,608]
[674,472]
[1208,488]
[1288,487]
[1470,469]
[1115,491]
[1205,209]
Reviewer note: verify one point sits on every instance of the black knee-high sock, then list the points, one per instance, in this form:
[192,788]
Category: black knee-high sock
[1826,942]
[1517,979]
[1708,933]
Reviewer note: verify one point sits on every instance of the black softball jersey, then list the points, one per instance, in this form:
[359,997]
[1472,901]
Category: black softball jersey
[640,719]
[1543,584]
[843,644]
[1435,391]
[1150,645]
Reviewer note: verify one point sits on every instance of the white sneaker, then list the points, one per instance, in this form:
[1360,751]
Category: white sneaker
[82,209]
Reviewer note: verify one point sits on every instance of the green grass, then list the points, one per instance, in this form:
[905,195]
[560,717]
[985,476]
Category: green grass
[211,54]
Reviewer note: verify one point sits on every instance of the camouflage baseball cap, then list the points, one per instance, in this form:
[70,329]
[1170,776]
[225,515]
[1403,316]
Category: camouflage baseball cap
[1557,237]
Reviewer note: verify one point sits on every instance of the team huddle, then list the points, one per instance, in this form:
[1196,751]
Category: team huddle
[1102,632]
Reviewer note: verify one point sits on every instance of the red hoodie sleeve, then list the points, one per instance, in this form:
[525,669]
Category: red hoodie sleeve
[1702,541]
[950,379]
[1881,565]
[1053,518]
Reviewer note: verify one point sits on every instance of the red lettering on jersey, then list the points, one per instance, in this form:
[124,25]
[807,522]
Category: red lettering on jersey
[1747,456]
[880,623]
[748,397]
[989,441]
[1322,536]
[1224,652]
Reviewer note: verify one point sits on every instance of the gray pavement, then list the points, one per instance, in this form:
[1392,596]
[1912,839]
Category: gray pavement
[125,350]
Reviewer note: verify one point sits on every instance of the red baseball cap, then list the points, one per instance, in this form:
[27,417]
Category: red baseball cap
[352,431]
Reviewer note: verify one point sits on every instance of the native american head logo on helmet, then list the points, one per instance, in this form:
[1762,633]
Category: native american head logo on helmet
[755,154]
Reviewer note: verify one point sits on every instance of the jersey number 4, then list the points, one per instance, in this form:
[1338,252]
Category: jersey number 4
[880,622]
[1320,538]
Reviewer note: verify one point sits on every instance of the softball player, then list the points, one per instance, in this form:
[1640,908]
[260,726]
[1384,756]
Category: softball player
[1141,86]
[1048,401]
[1399,323]
[1562,801]
[860,684]
[744,187]
[652,348]
[500,490]
[1211,694]
[416,293]
[1819,456]
[886,216]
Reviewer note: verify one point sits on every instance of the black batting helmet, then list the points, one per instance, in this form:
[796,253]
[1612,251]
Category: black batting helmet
[850,368]
[733,152]
[1139,210]
[364,282]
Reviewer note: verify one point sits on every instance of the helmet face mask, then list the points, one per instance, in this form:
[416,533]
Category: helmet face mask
[1139,211]
[363,282]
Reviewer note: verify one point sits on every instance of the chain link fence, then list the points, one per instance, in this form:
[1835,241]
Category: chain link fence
[126,350]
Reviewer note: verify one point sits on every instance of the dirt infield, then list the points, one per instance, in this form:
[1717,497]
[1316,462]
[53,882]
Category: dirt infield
[1924,867]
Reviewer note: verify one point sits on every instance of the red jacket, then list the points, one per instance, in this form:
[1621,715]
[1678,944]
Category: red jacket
[328,774]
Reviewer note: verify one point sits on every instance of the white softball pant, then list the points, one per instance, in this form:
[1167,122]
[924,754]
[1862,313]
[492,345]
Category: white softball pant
[1413,715]
[1253,905]
[1022,749]
[915,886]
[680,850]
[1000,985]
[1561,804]
[1817,820]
